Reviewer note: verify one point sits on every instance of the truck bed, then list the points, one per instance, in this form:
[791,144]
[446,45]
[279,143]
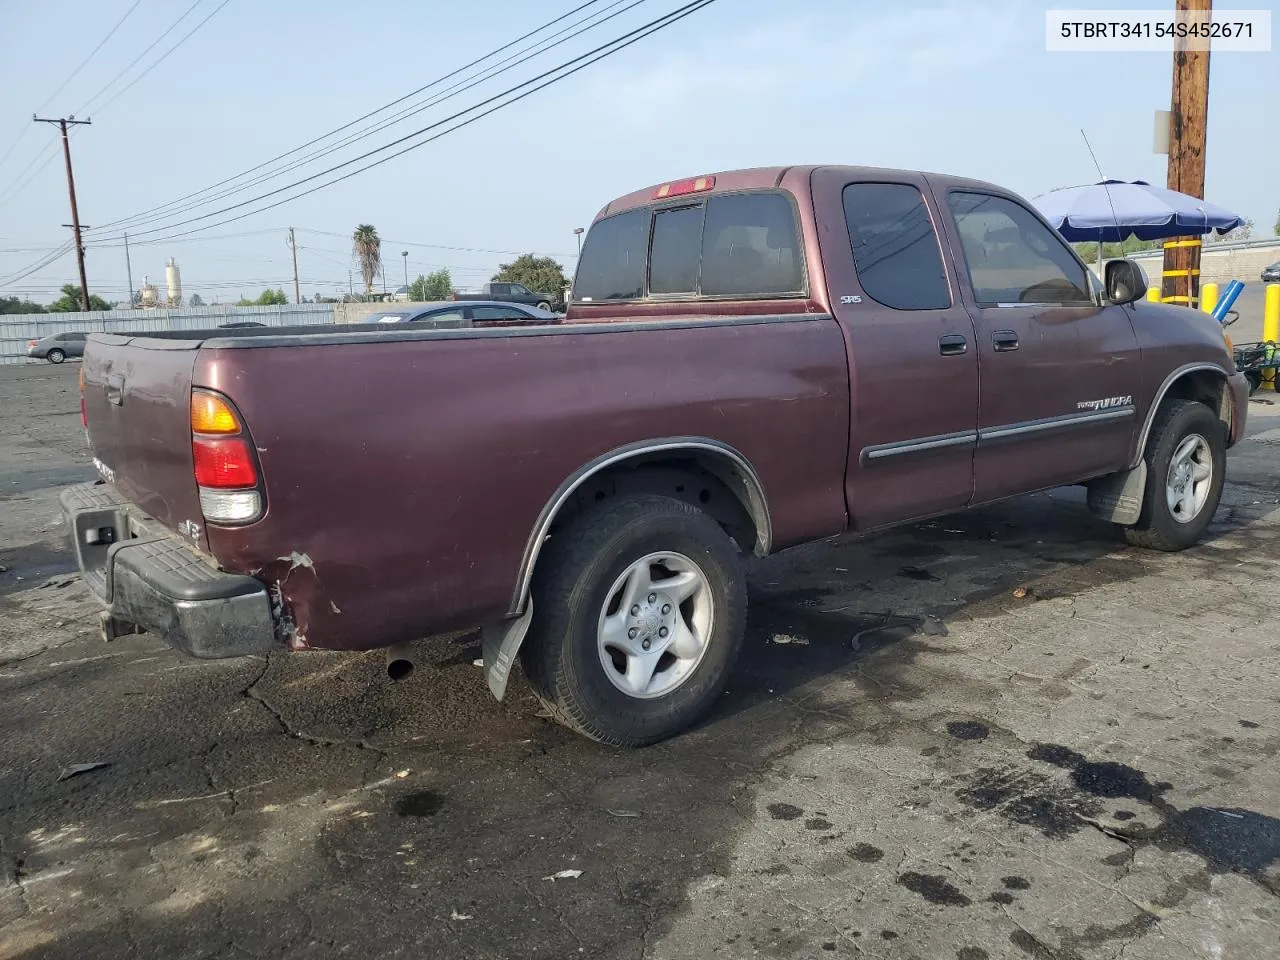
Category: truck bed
[405,470]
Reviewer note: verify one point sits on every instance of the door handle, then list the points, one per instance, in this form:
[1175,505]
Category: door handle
[952,344]
[1004,340]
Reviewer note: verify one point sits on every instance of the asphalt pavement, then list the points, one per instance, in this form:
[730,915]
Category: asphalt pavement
[1000,734]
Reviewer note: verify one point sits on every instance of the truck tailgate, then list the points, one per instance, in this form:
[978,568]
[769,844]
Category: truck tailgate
[137,394]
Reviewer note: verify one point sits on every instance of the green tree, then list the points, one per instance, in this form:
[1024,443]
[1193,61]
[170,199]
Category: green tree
[1089,251]
[14,305]
[539,274]
[196,300]
[366,247]
[1276,228]
[434,286]
[71,300]
[267,298]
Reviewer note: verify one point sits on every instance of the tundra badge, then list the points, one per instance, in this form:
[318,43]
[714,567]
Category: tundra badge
[1105,404]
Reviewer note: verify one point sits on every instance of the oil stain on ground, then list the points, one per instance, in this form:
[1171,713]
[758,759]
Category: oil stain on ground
[421,803]
[1227,839]
[934,889]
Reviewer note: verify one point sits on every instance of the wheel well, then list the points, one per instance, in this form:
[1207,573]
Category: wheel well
[709,482]
[1203,386]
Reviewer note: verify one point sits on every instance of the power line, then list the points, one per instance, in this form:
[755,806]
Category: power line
[435,246]
[582,62]
[132,63]
[207,195]
[18,187]
[119,93]
[74,74]
[456,89]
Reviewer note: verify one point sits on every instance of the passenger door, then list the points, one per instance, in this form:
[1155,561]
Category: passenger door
[910,340]
[1058,365]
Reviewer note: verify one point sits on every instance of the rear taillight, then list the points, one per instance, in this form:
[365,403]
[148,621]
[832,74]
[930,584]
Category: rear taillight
[225,466]
[33,343]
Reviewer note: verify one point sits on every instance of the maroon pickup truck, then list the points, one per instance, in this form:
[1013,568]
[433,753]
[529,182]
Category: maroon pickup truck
[750,361]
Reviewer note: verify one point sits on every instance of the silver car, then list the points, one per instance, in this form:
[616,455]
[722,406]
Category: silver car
[57,347]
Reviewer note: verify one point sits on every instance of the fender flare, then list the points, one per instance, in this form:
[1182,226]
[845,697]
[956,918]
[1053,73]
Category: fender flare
[738,466]
[1169,381]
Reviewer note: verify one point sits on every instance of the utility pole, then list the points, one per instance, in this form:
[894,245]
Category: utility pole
[75,214]
[1188,117]
[293,244]
[128,269]
[404,255]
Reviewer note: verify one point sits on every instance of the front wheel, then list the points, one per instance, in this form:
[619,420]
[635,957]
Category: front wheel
[543,305]
[640,609]
[55,356]
[1186,459]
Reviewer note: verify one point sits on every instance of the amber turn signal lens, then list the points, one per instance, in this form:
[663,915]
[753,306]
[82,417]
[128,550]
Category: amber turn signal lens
[211,414]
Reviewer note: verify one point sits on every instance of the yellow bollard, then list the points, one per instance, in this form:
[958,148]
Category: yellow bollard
[1271,313]
[1271,324]
[1208,297]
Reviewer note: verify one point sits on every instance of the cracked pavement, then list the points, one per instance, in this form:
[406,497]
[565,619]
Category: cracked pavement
[1000,734]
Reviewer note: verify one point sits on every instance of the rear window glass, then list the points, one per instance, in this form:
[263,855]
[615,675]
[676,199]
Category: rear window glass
[894,246]
[750,246]
[676,250]
[612,264]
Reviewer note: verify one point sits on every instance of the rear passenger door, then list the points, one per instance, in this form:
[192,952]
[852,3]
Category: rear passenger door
[913,368]
[1059,365]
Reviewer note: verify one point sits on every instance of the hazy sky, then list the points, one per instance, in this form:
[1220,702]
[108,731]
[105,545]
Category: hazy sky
[963,87]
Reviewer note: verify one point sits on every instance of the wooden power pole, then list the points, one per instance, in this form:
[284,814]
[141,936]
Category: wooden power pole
[1188,117]
[293,245]
[75,214]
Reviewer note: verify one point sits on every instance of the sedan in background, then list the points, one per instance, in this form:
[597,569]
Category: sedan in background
[1271,274]
[488,313]
[57,347]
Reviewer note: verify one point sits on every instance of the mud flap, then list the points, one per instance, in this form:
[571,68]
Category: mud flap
[501,642]
[1118,497]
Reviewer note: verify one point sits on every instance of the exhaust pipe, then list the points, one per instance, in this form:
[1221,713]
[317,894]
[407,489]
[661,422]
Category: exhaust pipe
[400,661]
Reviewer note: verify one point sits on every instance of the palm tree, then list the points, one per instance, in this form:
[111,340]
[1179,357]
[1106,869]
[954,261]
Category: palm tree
[366,247]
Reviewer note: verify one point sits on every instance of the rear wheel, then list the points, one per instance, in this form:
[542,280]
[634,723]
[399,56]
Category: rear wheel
[1186,462]
[640,612]
[1254,379]
[55,356]
[543,305]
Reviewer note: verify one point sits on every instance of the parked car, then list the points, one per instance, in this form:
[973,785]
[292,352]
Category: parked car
[57,347]
[1271,274]
[514,293]
[750,361]
[482,313]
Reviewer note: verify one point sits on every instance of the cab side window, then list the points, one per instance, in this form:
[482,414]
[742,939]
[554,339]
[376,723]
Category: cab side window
[1012,257]
[895,248]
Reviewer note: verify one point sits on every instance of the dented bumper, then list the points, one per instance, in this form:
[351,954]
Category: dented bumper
[150,581]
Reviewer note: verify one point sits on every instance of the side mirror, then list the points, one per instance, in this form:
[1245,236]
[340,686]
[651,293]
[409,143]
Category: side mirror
[1124,281]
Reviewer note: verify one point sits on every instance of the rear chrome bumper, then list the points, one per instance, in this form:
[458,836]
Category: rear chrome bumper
[154,582]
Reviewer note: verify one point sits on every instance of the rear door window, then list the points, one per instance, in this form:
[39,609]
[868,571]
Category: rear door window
[895,247]
[676,251]
[613,258]
[750,247]
[498,313]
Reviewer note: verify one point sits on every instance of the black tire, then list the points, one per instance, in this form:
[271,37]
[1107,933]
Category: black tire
[1254,379]
[55,356]
[1157,528]
[543,305]
[572,584]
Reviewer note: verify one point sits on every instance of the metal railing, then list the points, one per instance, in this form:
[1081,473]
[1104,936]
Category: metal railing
[17,330]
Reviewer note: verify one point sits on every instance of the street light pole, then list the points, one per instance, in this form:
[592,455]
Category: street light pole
[577,232]
[405,255]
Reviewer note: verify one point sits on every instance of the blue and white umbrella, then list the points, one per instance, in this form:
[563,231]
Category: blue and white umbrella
[1109,211]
